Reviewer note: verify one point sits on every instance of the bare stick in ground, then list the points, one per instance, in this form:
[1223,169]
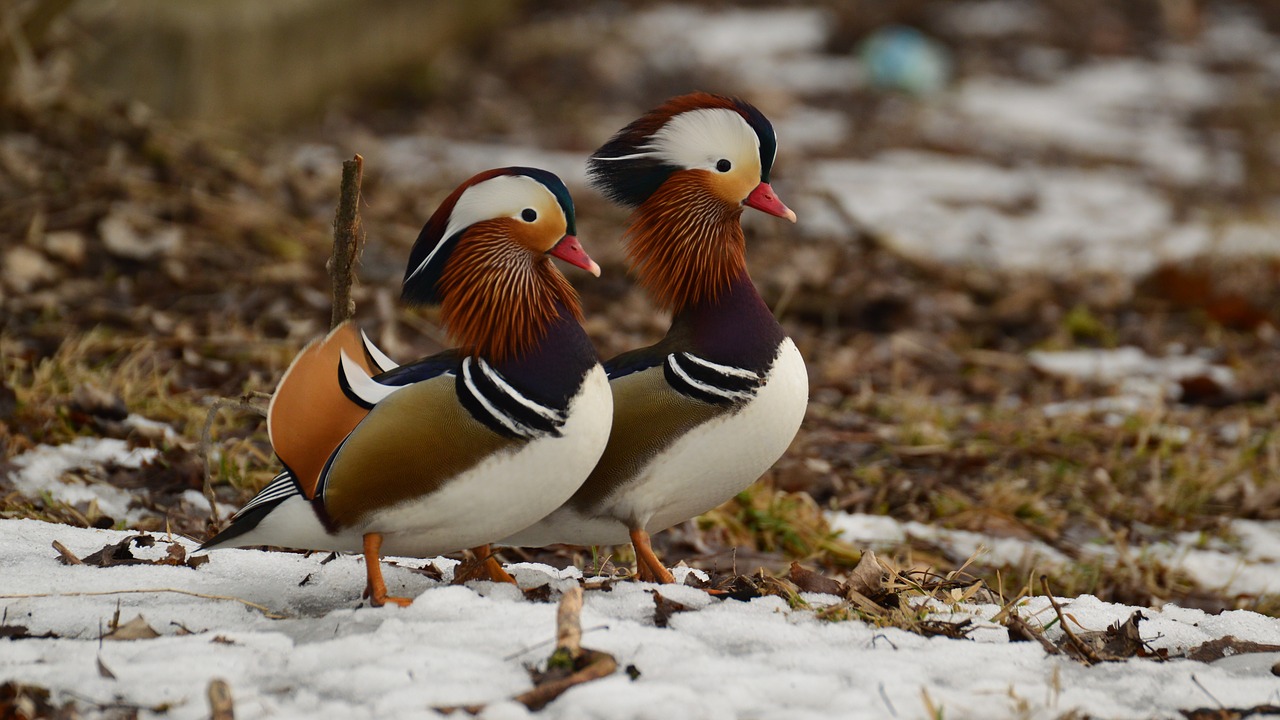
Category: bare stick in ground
[347,242]
[221,707]
[570,664]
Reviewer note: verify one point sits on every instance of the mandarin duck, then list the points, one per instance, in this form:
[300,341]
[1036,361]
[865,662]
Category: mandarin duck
[461,448]
[707,410]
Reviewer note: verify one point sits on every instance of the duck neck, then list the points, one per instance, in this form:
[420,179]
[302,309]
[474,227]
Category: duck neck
[552,369]
[733,326]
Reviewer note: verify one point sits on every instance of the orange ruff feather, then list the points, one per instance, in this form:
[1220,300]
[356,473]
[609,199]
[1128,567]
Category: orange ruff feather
[684,244]
[498,298]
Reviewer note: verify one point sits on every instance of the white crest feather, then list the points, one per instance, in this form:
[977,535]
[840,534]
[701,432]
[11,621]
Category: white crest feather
[698,139]
[497,197]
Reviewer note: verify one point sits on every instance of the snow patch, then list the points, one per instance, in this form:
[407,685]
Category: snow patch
[464,645]
[43,470]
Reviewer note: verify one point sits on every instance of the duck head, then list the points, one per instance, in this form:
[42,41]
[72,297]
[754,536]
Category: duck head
[485,258]
[688,168]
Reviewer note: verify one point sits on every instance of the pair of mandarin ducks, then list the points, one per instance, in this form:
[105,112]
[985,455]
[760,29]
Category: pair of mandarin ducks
[519,435]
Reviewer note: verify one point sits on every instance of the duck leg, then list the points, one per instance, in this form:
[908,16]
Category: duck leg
[376,590]
[648,567]
[483,566]
[492,568]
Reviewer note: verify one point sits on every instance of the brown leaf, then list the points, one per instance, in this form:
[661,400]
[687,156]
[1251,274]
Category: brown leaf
[1204,390]
[1223,713]
[1226,646]
[956,630]
[664,608]
[27,701]
[1120,641]
[735,587]
[135,629]
[1021,631]
[177,555]
[429,570]
[810,581]
[19,632]
[221,705]
[120,553]
[868,577]
[541,593]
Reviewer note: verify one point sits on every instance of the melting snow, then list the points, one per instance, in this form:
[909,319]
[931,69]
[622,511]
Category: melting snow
[463,645]
[1249,566]
[44,470]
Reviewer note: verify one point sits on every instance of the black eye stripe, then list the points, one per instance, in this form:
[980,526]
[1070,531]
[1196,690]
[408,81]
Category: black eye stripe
[724,165]
[529,215]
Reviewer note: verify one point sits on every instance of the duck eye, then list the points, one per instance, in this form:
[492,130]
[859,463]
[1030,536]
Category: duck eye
[723,165]
[529,215]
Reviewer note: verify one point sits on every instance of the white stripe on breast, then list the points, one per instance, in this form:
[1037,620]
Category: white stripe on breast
[505,420]
[542,410]
[723,369]
[708,389]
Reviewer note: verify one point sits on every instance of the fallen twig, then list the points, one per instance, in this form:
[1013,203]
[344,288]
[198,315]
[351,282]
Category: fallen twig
[68,557]
[260,608]
[244,402]
[1084,652]
[569,657]
[1021,631]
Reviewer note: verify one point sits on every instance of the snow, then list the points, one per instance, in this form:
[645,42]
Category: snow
[1130,365]
[44,470]
[1121,110]
[328,655]
[1249,566]
[937,208]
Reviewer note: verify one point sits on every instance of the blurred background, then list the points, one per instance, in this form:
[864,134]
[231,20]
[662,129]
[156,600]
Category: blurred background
[1035,276]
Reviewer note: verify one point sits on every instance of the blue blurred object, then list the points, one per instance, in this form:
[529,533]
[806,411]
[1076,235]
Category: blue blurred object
[903,58]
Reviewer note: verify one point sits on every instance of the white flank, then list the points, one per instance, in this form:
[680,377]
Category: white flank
[706,467]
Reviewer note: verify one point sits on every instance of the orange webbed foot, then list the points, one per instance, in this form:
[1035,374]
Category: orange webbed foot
[648,567]
[483,565]
[376,590]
